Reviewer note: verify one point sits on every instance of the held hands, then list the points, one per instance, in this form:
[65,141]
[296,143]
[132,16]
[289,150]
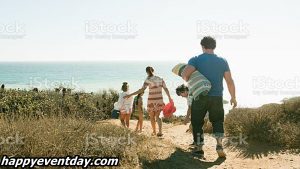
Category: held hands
[233,102]
[170,100]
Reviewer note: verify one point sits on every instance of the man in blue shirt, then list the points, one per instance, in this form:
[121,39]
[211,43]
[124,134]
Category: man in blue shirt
[214,68]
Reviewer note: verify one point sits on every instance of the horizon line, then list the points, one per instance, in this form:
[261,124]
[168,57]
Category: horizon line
[61,61]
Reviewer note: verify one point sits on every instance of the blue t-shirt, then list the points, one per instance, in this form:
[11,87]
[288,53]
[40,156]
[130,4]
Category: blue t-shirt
[213,68]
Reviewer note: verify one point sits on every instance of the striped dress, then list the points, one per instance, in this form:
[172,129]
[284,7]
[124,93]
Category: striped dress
[155,99]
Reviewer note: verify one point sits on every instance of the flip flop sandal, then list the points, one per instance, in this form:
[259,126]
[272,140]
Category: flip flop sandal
[159,134]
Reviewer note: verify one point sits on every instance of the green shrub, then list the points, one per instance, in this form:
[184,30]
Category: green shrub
[291,108]
[30,104]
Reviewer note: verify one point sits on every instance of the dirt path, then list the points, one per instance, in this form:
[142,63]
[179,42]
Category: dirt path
[247,156]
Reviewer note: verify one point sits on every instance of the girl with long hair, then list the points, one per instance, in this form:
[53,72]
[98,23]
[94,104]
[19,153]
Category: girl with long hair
[138,111]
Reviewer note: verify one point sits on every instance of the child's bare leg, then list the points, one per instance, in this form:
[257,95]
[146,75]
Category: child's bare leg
[152,119]
[122,119]
[141,121]
[127,119]
[137,125]
[159,122]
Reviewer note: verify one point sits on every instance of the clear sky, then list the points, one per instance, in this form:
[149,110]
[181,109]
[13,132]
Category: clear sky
[61,30]
[259,38]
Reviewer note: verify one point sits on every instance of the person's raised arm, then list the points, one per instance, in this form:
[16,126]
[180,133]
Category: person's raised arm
[141,90]
[231,88]
[188,70]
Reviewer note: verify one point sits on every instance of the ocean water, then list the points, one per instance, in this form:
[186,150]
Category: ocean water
[253,89]
[89,76]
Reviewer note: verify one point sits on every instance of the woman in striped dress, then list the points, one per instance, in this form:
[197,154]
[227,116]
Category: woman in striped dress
[155,102]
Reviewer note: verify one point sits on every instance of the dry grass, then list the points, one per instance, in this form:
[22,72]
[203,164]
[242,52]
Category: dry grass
[53,137]
[278,124]
[70,128]
[49,124]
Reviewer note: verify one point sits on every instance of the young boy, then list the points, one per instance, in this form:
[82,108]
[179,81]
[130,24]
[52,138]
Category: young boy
[183,91]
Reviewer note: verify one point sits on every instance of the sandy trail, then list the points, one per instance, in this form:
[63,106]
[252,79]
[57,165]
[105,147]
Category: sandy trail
[246,156]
